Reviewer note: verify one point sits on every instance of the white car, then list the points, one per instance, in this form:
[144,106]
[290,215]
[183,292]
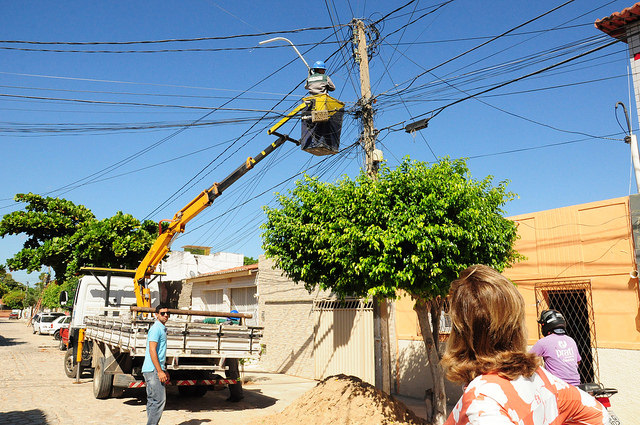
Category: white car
[59,323]
[42,323]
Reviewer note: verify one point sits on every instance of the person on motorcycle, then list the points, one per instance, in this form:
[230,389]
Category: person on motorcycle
[318,81]
[558,350]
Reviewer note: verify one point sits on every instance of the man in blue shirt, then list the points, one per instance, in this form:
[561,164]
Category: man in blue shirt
[154,368]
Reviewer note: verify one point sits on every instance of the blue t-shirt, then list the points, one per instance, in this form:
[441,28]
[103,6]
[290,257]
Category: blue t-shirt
[157,333]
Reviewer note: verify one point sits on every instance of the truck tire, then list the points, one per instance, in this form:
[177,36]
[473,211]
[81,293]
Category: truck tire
[70,369]
[102,382]
[232,372]
[192,391]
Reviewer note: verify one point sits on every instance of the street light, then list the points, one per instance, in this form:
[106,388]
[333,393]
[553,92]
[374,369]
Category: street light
[288,41]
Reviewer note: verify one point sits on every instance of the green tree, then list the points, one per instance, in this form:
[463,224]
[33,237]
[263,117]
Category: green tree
[249,260]
[8,283]
[413,230]
[65,237]
[14,299]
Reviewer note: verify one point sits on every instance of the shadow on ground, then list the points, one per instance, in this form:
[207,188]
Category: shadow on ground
[211,401]
[35,417]
[5,342]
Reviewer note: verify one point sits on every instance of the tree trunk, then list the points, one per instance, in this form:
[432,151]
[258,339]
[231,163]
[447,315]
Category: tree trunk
[429,328]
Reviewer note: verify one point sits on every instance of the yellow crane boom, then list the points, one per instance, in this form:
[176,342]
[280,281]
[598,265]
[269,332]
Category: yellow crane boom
[322,104]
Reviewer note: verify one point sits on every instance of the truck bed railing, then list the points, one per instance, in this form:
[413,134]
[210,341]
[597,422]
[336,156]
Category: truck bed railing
[186,339]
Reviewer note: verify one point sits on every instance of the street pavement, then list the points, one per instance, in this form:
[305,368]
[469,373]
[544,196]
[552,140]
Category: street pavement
[36,391]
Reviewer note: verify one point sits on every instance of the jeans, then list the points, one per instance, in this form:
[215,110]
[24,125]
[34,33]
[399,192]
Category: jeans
[156,397]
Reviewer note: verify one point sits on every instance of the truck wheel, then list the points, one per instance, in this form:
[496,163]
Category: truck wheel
[192,391]
[70,369]
[232,372]
[102,382]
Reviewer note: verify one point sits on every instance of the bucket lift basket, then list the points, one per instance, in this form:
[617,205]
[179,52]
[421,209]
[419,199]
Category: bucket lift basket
[321,123]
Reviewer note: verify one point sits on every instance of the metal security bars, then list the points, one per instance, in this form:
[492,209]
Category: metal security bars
[572,298]
[347,304]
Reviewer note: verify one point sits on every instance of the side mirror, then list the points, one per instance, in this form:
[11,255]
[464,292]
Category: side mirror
[64,298]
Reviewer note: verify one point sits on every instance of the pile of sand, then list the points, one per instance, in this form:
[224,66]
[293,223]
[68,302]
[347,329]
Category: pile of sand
[343,399]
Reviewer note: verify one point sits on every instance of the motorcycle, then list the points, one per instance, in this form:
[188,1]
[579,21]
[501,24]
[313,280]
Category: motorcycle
[602,394]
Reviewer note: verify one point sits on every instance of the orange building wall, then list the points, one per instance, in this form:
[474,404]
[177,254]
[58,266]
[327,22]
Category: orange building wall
[589,241]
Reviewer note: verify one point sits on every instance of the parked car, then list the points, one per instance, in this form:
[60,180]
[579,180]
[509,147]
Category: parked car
[59,323]
[42,322]
[15,314]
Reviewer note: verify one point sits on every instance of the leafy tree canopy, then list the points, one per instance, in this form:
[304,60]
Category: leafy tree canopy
[8,283]
[65,237]
[14,299]
[414,228]
[249,260]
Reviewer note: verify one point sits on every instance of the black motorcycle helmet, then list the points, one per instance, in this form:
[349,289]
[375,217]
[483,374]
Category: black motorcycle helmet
[552,321]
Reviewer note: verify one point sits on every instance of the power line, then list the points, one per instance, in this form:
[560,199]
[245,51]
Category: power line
[439,110]
[169,40]
[410,82]
[207,50]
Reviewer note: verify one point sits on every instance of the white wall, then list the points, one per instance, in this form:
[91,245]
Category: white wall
[181,265]
[620,369]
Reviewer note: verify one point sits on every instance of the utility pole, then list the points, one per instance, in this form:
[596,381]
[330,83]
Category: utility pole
[382,356]
[631,140]
[368,133]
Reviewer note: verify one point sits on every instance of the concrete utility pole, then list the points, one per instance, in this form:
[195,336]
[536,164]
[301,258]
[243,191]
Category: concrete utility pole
[368,133]
[380,306]
[631,139]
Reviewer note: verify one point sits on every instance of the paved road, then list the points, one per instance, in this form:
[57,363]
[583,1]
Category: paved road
[35,390]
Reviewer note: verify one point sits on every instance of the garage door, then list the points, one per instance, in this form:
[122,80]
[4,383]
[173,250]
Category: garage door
[343,339]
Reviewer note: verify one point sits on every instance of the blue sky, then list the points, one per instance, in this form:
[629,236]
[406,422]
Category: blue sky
[111,130]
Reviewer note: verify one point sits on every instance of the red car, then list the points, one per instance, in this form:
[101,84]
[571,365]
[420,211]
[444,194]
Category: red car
[14,315]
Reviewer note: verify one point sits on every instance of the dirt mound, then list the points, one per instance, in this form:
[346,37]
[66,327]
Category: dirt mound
[343,399]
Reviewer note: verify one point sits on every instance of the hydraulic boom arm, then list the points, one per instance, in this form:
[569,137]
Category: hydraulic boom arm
[321,105]
[177,224]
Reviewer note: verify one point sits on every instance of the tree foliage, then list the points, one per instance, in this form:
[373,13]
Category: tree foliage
[412,229]
[249,260]
[14,299]
[65,237]
[8,283]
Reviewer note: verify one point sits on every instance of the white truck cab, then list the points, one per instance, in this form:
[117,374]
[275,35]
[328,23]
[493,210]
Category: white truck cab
[91,295]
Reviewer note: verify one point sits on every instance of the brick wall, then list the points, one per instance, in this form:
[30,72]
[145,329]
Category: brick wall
[285,311]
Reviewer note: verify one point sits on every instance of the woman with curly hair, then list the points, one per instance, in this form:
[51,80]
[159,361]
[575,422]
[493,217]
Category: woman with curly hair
[486,352]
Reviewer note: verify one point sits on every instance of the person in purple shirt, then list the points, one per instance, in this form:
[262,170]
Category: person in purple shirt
[558,350]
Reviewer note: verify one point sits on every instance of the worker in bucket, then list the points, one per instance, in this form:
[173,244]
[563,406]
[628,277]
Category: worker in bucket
[318,81]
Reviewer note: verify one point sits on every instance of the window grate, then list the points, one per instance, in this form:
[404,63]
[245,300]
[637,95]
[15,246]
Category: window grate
[347,304]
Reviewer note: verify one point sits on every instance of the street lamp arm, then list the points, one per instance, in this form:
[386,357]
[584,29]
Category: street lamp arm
[292,45]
